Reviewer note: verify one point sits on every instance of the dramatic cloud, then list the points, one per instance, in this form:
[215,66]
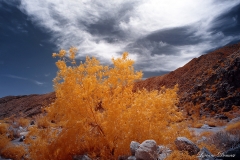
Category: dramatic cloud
[160,35]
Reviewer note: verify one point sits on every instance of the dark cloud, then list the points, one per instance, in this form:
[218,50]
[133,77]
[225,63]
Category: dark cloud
[153,47]
[165,41]
[107,26]
[228,23]
[175,36]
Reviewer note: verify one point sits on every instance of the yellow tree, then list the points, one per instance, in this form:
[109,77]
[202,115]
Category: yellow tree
[97,113]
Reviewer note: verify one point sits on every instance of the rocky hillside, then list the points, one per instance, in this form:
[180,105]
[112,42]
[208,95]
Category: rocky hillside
[211,81]
[27,105]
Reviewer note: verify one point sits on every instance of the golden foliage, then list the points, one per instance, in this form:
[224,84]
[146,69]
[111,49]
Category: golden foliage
[24,122]
[15,152]
[4,140]
[96,112]
[3,128]
[234,128]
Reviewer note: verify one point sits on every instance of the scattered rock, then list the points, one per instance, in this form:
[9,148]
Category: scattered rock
[131,158]
[123,157]
[1,158]
[147,150]
[32,122]
[23,134]
[205,126]
[164,152]
[81,157]
[22,138]
[220,116]
[184,144]
[133,147]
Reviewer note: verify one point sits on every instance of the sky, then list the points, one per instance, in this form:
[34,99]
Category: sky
[159,35]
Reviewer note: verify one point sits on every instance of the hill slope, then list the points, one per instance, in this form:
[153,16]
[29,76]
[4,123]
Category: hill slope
[27,105]
[211,81]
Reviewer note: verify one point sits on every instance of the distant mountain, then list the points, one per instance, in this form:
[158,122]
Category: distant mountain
[211,82]
[26,106]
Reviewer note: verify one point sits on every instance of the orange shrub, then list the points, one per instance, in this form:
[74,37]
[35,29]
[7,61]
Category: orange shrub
[24,122]
[234,128]
[3,128]
[4,140]
[14,152]
[96,112]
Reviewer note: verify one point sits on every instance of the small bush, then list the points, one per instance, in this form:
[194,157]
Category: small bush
[4,140]
[224,140]
[14,152]
[24,122]
[3,128]
[234,128]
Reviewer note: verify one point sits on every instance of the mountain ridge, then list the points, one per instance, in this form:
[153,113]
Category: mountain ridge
[212,79]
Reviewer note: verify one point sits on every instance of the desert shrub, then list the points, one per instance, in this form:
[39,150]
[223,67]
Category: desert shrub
[24,122]
[234,128]
[224,140]
[41,121]
[96,112]
[4,140]
[3,128]
[206,133]
[15,152]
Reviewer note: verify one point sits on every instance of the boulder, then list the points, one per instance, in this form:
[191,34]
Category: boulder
[184,144]
[205,126]
[123,157]
[133,147]
[164,152]
[147,150]
[131,158]
[81,157]
[22,138]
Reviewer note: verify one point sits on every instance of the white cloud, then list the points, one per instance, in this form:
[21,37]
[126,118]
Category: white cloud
[23,78]
[69,23]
